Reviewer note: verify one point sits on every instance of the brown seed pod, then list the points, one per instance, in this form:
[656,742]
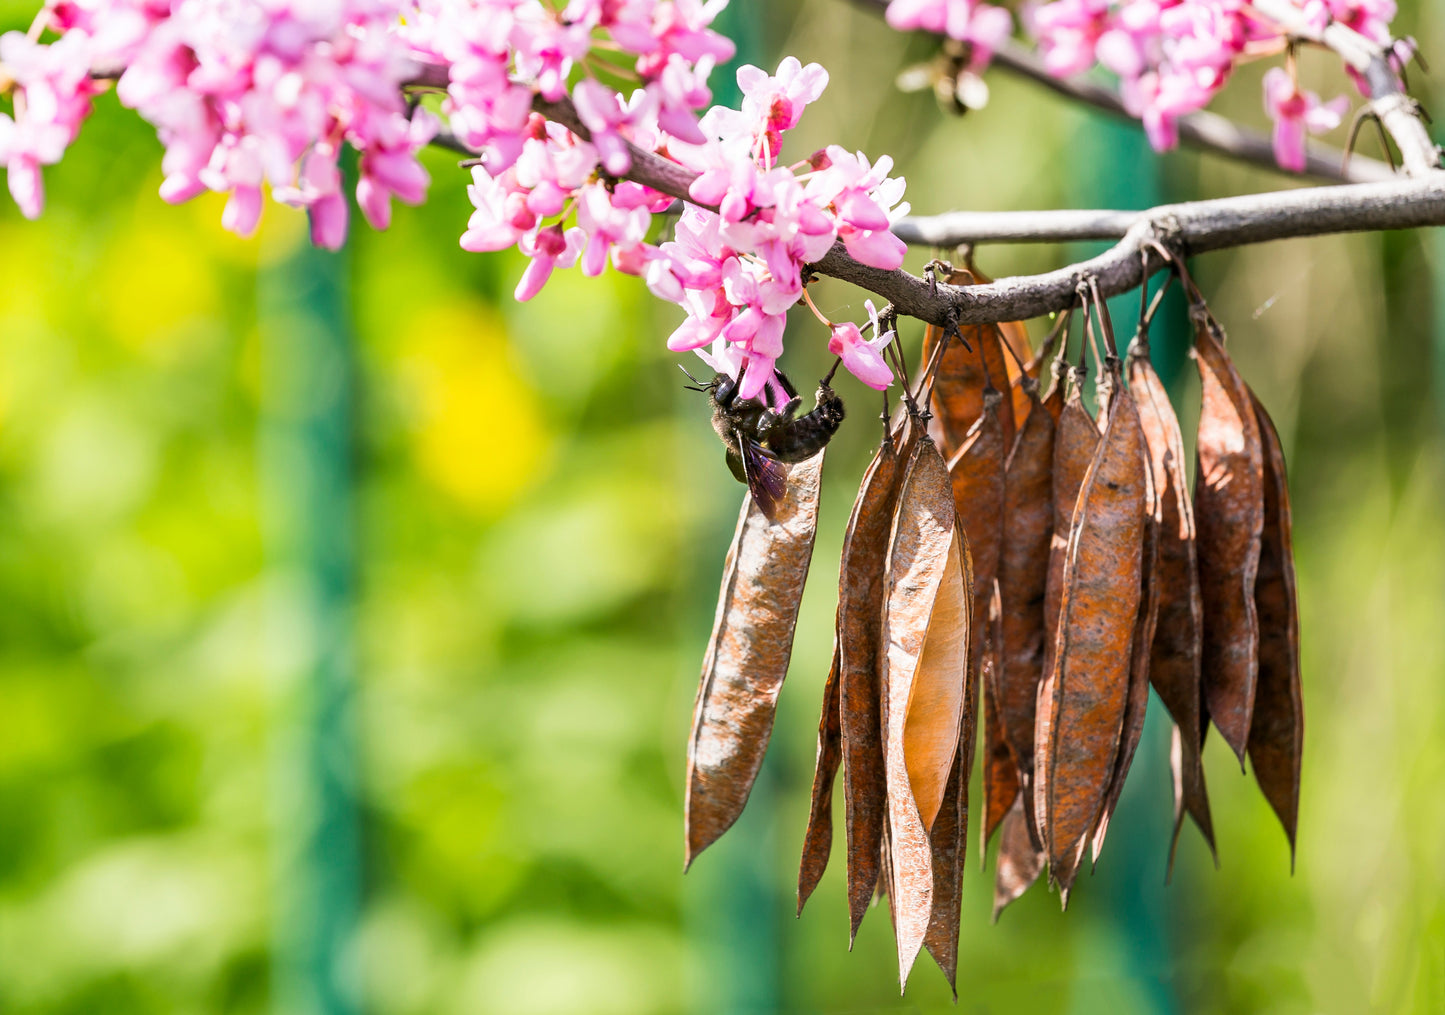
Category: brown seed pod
[1229,515]
[1138,700]
[958,386]
[1174,660]
[1076,439]
[1276,732]
[977,473]
[747,656]
[1023,570]
[949,836]
[818,838]
[948,841]
[926,640]
[1019,860]
[860,633]
[1000,772]
[1097,616]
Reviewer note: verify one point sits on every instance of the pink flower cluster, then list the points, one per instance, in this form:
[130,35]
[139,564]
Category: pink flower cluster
[242,93]
[52,93]
[736,257]
[250,94]
[978,24]
[1173,56]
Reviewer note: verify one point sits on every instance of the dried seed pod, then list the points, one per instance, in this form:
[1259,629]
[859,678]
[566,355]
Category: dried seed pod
[962,376]
[949,836]
[1076,439]
[1097,616]
[977,472]
[1138,699]
[1174,661]
[818,838]
[1276,732]
[747,656]
[1229,515]
[1023,570]
[1000,771]
[1019,859]
[860,633]
[948,843]
[926,640]
[923,577]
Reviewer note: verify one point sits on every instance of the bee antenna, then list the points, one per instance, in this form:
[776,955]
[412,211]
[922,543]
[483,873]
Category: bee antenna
[698,384]
[828,379]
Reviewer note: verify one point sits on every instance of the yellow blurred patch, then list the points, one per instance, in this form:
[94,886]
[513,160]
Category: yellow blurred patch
[477,427]
[154,283]
[281,231]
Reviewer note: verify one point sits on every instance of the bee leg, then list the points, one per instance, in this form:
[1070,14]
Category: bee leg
[786,384]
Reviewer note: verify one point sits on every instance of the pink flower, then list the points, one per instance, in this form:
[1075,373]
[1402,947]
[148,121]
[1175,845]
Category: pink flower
[863,358]
[605,116]
[1067,31]
[547,248]
[1294,112]
[774,104]
[965,20]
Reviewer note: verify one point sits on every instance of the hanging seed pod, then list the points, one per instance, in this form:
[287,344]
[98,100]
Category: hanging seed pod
[977,473]
[958,386]
[1000,771]
[1174,660]
[1097,616]
[1276,732]
[860,634]
[818,838]
[1019,860]
[926,640]
[1076,439]
[1022,579]
[747,657]
[948,843]
[1229,515]
[1144,625]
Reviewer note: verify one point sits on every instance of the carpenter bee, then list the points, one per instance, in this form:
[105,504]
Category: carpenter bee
[761,441]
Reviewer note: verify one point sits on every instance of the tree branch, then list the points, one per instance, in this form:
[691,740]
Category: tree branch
[1195,227]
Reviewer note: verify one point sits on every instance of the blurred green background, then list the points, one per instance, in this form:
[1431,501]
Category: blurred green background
[351,613]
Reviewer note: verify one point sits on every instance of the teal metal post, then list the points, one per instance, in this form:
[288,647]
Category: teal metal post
[308,382]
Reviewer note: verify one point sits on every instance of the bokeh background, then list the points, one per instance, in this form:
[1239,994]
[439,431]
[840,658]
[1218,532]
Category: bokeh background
[351,613]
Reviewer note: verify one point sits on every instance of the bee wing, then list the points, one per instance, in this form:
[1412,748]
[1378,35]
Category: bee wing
[766,476]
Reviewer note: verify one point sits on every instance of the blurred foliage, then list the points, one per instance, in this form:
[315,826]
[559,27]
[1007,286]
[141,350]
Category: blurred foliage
[542,514]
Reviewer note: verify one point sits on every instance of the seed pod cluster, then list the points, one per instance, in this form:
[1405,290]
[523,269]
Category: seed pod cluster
[1019,565]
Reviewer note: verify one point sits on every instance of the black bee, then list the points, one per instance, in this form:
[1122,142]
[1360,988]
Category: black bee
[761,441]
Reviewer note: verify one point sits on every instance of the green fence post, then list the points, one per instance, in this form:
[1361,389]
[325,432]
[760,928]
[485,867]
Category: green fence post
[308,381]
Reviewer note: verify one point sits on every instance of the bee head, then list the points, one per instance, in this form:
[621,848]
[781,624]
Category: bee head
[722,388]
